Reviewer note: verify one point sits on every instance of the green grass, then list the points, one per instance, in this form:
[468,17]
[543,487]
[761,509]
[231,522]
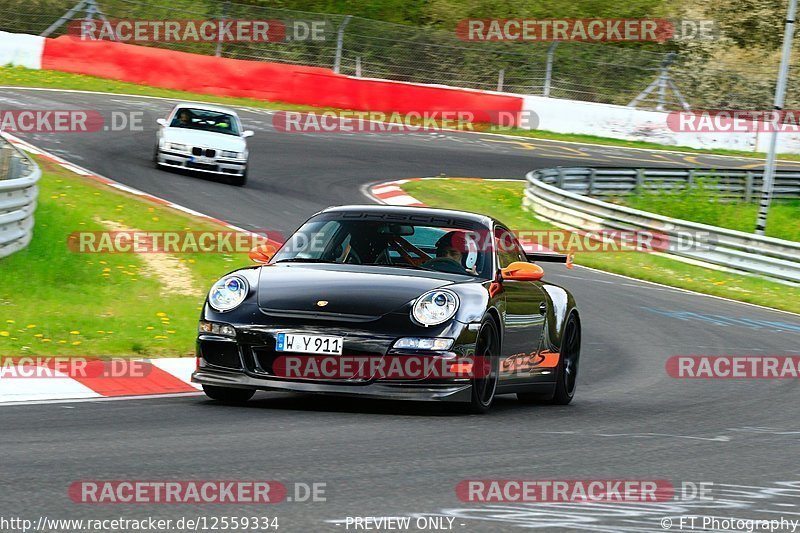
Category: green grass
[22,77]
[703,205]
[61,302]
[503,200]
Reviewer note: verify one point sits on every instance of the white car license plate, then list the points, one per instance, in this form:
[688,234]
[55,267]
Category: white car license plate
[290,342]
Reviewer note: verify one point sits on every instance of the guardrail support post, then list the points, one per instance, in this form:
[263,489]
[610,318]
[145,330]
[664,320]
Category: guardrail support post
[639,180]
[500,79]
[748,187]
[561,176]
[590,184]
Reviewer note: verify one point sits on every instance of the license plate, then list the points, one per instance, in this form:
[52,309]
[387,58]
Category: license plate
[289,342]
[201,159]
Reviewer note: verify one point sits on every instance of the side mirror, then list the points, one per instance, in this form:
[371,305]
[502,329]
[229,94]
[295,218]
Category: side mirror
[520,271]
[247,133]
[162,122]
[262,253]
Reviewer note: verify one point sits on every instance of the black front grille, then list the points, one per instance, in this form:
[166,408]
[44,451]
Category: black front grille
[221,353]
[210,152]
[197,151]
[202,166]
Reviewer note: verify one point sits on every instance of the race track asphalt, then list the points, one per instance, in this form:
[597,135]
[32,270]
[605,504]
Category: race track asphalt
[629,421]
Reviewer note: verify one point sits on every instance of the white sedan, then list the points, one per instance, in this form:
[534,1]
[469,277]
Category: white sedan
[203,138]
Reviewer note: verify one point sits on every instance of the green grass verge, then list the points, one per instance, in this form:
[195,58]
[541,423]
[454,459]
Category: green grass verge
[503,200]
[22,77]
[698,205]
[60,302]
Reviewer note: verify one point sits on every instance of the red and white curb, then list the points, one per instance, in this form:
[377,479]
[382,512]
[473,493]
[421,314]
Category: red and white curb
[153,377]
[391,193]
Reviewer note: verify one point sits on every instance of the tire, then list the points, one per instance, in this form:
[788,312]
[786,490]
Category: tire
[484,388]
[227,394]
[155,158]
[238,181]
[567,375]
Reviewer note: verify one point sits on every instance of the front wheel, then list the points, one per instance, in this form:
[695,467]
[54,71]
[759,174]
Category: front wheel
[228,394]
[484,383]
[239,181]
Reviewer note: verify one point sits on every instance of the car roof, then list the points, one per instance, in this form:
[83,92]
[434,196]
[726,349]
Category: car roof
[205,107]
[466,216]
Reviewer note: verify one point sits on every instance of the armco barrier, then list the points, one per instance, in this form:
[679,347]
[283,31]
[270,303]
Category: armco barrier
[279,82]
[18,190]
[736,250]
[729,183]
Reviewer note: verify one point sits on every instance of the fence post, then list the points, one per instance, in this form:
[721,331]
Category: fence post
[690,180]
[358,66]
[748,187]
[548,72]
[218,51]
[337,60]
[561,176]
[500,79]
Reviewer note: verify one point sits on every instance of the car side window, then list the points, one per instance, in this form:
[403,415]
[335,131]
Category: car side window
[507,247]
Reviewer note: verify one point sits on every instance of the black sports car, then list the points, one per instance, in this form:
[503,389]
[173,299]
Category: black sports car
[392,302]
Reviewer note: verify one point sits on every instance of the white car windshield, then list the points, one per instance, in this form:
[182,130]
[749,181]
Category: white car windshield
[205,120]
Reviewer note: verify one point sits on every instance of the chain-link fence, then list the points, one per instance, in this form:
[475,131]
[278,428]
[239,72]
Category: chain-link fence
[598,72]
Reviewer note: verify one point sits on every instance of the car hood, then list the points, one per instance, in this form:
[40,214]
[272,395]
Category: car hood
[356,292]
[219,141]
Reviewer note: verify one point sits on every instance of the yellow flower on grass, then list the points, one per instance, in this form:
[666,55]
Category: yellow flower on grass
[31,326]
[76,343]
[39,335]
[4,334]
[74,332]
[9,321]
[161,314]
[149,328]
[62,342]
[45,340]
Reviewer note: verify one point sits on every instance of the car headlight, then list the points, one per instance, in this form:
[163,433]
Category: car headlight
[228,293]
[435,307]
[232,155]
[177,146]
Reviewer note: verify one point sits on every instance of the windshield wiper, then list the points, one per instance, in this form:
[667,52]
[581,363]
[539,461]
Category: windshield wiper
[302,260]
[401,265]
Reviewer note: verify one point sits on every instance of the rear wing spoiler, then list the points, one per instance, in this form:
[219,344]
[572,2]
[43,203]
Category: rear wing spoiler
[543,257]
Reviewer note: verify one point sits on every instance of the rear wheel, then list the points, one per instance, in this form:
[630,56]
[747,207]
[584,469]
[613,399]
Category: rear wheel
[228,394]
[484,384]
[567,375]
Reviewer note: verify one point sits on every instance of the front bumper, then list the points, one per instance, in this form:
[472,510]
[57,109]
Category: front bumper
[451,392]
[217,165]
[251,360]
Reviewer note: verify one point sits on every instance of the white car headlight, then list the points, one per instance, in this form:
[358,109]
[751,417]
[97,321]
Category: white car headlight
[228,293]
[177,146]
[435,307]
[232,155]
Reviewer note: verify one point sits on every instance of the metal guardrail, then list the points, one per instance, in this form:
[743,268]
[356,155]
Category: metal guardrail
[736,250]
[18,191]
[730,183]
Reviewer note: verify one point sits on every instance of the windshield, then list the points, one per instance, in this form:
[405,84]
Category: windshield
[202,119]
[402,245]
